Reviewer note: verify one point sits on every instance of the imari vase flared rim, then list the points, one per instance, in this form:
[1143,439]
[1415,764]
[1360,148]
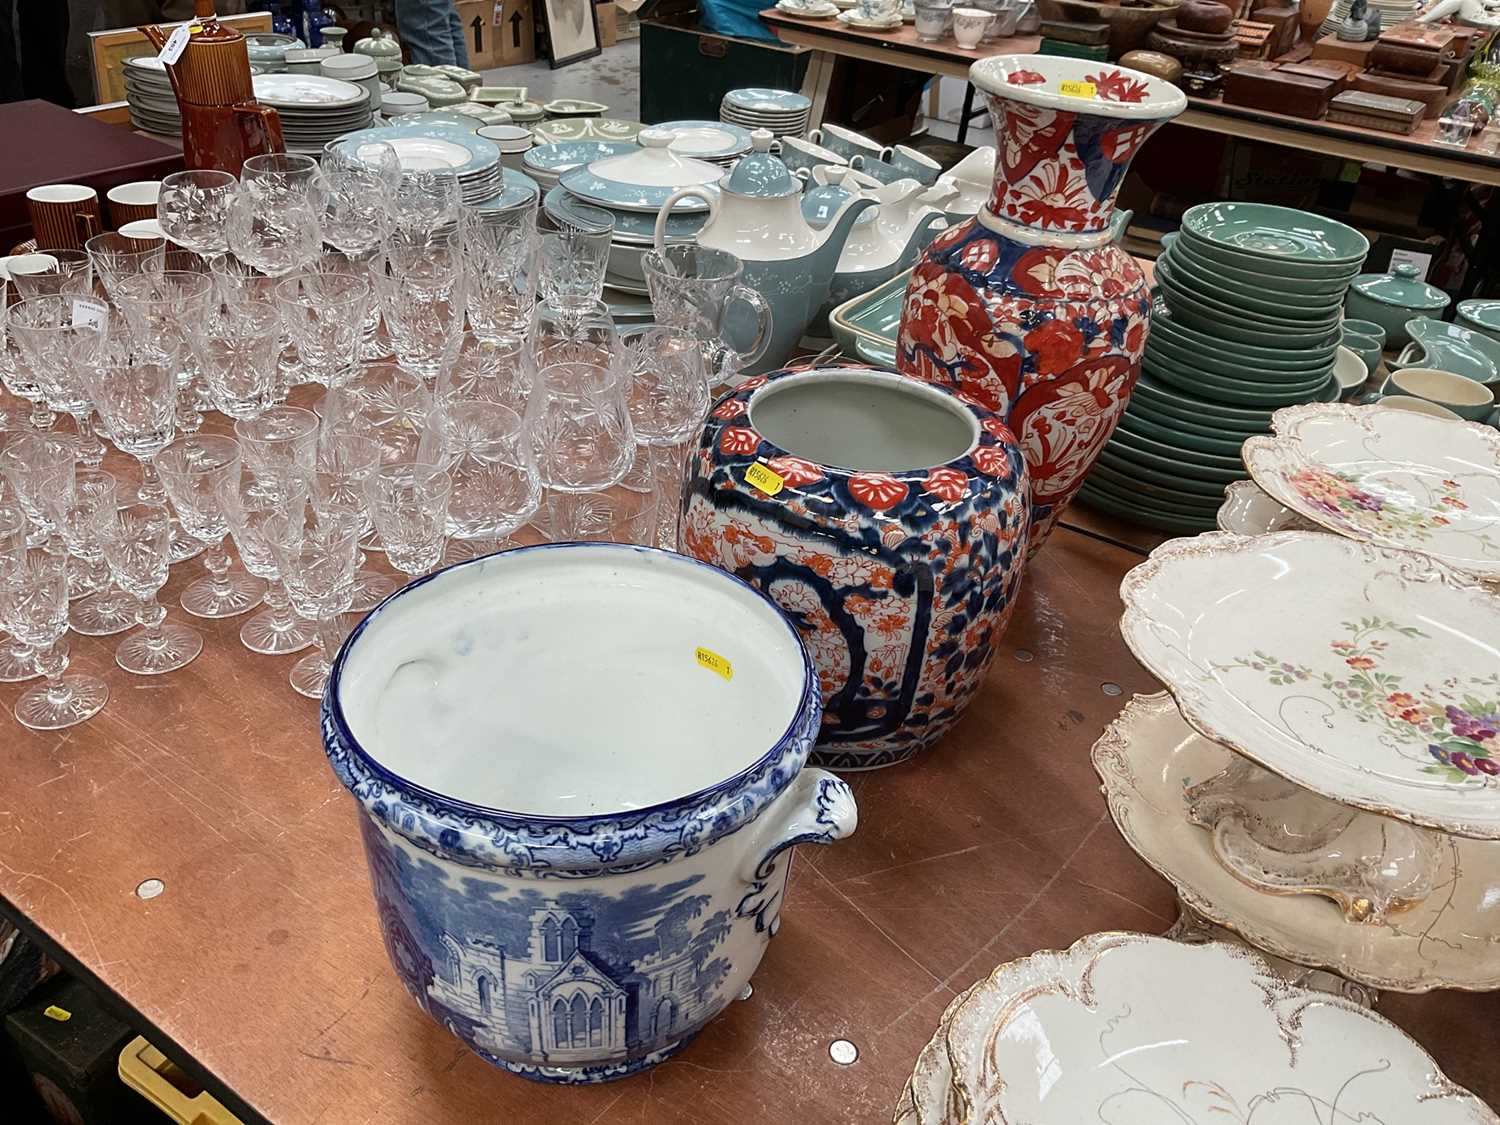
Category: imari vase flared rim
[1078,86]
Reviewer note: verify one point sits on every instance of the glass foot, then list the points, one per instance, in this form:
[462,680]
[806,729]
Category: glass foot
[261,634]
[175,647]
[62,703]
[371,542]
[242,594]
[462,550]
[102,615]
[16,669]
[310,675]
[184,546]
[370,589]
[80,583]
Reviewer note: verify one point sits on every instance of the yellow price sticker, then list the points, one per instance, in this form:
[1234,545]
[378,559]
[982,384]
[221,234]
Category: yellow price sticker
[1075,89]
[53,1012]
[766,479]
[715,663]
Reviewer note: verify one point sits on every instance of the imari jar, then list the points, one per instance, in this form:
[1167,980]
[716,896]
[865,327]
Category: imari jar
[1028,309]
[888,518]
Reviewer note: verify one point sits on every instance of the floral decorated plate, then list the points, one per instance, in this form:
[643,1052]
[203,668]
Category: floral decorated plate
[1388,477]
[1113,1030]
[1247,510]
[1149,757]
[1368,676]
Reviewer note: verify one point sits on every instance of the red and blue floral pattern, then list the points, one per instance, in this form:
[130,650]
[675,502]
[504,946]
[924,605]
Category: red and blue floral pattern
[900,583]
[1049,338]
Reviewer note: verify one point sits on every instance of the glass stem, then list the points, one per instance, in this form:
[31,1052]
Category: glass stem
[216,562]
[151,490]
[90,448]
[330,636]
[97,573]
[52,662]
[277,602]
[149,614]
[41,417]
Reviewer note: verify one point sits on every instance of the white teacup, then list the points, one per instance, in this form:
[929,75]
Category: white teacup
[1417,406]
[847,143]
[1463,396]
[969,26]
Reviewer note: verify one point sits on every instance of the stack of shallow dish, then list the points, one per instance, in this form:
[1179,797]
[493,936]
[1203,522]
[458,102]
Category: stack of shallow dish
[716,142]
[314,110]
[427,148]
[148,91]
[756,107]
[1245,322]
[1114,1029]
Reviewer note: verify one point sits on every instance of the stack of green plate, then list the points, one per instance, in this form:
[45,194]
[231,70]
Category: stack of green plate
[1248,301]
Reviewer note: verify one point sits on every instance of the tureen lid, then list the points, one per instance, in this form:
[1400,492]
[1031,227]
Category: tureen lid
[654,164]
[1400,287]
[379,44]
[759,174]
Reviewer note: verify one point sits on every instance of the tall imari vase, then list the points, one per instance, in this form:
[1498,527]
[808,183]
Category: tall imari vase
[1028,309]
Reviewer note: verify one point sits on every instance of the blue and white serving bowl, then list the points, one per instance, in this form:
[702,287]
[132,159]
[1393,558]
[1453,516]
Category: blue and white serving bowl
[574,891]
[546,163]
[643,180]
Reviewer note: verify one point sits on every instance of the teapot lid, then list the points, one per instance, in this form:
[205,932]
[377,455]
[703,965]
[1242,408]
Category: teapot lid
[759,174]
[379,43]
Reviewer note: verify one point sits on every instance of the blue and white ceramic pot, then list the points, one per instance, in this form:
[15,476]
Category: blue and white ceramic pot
[579,769]
[889,518]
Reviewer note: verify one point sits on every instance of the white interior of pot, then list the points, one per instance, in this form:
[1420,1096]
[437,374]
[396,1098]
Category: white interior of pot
[566,682]
[865,421]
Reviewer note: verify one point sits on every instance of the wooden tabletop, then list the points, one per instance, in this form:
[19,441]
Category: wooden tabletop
[1419,152]
[263,962]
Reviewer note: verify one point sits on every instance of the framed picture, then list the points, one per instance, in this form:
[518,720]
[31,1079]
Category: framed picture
[572,30]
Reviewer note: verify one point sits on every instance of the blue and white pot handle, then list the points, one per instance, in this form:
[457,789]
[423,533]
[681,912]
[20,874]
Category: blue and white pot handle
[818,808]
[711,198]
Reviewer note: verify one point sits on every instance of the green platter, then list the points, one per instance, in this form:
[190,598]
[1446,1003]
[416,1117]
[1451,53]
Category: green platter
[1202,359]
[1250,297]
[1247,394]
[1171,478]
[1216,439]
[1129,434]
[1146,485]
[1279,353]
[1224,316]
[1155,521]
[1126,495]
[1213,324]
[1173,465]
[1291,287]
[1266,233]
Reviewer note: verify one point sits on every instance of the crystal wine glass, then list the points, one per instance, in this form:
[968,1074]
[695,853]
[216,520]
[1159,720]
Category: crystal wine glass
[136,393]
[324,313]
[280,444]
[273,229]
[167,313]
[64,272]
[192,209]
[137,542]
[116,256]
[237,357]
[32,465]
[76,511]
[420,283]
[17,663]
[249,502]
[409,504]
[500,252]
[315,555]
[487,453]
[34,607]
[59,337]
[192,468]
[344,461]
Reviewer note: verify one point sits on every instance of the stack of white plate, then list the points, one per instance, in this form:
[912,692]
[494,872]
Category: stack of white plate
[716,142]
[783,112]
[314,110]
[429,148]
[148,90]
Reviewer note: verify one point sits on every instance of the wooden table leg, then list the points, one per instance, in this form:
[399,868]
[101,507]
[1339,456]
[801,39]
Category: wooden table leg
[816,83]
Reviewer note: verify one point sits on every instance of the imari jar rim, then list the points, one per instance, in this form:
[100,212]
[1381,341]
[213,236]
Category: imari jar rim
[737,407]
[569,846]
[1118,91]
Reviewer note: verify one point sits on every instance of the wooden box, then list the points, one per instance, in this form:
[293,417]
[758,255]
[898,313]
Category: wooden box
[1356,54]
[1433,96]
[1339,73]
[1261,87]
[1376,111]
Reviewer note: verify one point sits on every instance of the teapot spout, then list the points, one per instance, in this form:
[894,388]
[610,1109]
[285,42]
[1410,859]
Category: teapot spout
[158,39]
[923,233]
[825,258]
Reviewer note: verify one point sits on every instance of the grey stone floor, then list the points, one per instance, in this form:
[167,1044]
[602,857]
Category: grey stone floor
[613,77]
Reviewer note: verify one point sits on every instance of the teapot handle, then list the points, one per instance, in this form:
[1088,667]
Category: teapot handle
[660,239]
[260,128]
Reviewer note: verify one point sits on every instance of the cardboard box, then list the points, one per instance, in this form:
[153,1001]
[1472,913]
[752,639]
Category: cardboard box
[608,23]
[497,32]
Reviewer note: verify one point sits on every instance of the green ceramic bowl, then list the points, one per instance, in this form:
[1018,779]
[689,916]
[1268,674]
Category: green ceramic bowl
[1180,505]
[1157,521]
[1248,297]
[1264,283]
[1127,436]
[1195,343]
[1451,347]
[1218,363]
[1268,234]
[1229,312]
[1481,316]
